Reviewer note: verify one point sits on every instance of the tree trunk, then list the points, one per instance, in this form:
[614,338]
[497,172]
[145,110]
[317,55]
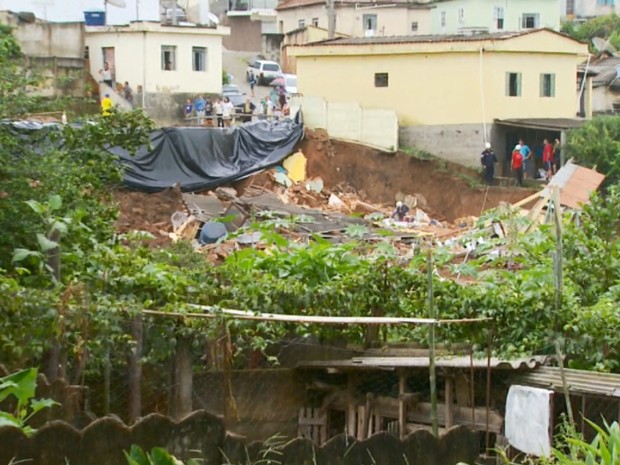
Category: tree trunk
[183,372]
[135,370]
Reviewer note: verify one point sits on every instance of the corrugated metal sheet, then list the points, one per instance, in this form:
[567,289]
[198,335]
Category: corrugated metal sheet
[576,183]
[579,381]
[423,362]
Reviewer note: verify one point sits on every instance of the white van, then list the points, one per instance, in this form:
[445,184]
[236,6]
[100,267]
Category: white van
[264,71]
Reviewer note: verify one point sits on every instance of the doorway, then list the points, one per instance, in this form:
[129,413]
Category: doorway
[108,56]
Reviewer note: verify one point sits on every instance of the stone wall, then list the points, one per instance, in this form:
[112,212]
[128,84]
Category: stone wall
[201,435]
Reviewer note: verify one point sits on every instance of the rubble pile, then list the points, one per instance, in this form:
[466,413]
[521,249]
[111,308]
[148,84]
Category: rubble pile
[298,207]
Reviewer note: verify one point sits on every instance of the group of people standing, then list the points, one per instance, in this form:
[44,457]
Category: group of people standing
[107,77]
[221,109]
[521,159]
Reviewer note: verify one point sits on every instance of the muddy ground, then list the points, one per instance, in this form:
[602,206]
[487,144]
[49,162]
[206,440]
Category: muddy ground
[377,176]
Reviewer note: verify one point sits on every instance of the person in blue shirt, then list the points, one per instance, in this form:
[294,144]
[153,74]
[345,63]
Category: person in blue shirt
[188,109]
[199,106]
[527,156]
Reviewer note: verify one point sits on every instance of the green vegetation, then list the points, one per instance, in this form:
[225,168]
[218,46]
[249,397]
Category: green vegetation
[157,456]
[597,145]
[604,27]
[71,286]
[20,388]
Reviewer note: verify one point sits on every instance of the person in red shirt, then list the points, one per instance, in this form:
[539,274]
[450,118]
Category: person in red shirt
[547,157]
[517,164]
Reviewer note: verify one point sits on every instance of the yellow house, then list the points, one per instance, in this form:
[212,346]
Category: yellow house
[448,91]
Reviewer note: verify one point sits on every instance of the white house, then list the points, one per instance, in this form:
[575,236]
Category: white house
[458,16]
[163,64]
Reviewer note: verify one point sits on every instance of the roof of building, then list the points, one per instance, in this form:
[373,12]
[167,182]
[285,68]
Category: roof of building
[604,70]
[437,38]
[288,4]
[550,124]
[578,381]
[390,363]
[576,184]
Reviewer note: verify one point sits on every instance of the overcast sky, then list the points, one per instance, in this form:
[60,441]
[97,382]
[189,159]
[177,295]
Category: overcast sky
[73,10]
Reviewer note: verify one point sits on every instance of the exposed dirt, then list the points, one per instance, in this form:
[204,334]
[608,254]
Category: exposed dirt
[378,177]
[148,212]
[381,176]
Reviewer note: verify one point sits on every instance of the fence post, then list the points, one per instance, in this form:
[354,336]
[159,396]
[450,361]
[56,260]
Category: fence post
[431,351]
[135,369]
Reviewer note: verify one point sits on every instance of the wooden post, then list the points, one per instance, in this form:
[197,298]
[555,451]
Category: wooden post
[351,408]
[431,352]
[135,370]
[183,378]
[402,406]
[449,398]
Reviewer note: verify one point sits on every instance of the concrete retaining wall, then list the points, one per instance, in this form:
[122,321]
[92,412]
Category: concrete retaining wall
[349,121]
[202,436]
[459,143]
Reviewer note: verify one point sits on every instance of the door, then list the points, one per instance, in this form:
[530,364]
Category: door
[108,56]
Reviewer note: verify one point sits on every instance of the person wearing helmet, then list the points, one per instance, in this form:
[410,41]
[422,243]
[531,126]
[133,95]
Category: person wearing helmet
[488,160]
[400,212]
[517,164]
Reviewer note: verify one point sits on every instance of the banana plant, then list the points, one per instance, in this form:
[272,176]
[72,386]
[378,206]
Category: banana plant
[22,386]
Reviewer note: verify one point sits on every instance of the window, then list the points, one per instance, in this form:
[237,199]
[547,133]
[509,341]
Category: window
[513,84]
[315,22]
[168,57]
[443,19]
[547,85]
[605,2]
[302,23]
[199,58]
[370,22]
[271,67]
[461,16]
[414,26]
[530,20]
[381,79]
[498,16]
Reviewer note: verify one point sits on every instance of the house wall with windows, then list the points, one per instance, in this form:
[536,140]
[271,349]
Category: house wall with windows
[453,16]
[392,19]
[586,9]
[445,88]
[163,64]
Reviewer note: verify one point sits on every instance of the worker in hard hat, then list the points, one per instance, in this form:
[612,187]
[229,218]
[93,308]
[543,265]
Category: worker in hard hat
[400,212]
[488,161]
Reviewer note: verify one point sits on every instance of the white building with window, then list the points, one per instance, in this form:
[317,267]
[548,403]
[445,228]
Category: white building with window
[163,64]
[462,16]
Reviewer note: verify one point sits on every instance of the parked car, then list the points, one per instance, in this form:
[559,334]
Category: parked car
[230,89]
[264,71]
[290,81]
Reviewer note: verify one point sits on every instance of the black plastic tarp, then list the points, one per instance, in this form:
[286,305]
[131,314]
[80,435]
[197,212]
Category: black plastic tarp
[204,158]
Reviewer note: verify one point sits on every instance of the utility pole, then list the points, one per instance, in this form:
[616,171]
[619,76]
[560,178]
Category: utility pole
[331,19]
[174,12]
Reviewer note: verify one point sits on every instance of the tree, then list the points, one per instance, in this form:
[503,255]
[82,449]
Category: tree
[605,27]
[597,145]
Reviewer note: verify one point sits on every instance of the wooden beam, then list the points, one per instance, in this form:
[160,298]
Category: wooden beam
[366,320]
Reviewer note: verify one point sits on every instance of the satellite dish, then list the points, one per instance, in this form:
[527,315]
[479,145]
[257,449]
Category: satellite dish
[602,45]
[117,3]
[214,19]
